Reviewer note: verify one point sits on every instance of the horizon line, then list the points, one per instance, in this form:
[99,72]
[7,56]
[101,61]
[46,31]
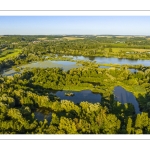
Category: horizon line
[72,34]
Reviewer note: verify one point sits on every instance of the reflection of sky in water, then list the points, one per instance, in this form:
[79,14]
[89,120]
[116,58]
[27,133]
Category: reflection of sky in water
[65,65]
[114,60]
[124,96]
[64,62]
[85,95]
[104,67]
[40,116]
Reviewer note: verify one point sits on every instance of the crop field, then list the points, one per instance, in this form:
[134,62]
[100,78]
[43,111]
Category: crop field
[9,53]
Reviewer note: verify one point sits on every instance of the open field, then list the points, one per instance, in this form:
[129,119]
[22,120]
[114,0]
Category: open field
[141,50]
[116,50]
[73,38]
[42,39]
[9,53]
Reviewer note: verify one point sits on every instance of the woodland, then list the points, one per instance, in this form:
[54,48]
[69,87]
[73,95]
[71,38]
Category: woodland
[24,94]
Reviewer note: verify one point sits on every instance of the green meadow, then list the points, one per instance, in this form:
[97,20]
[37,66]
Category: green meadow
[9,53]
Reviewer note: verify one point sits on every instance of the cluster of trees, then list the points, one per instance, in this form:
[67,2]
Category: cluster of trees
[35,46]
[22,94]
[90,46]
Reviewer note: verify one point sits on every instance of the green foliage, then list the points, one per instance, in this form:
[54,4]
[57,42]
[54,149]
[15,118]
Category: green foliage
[67,125]
[24,94]
[129,126]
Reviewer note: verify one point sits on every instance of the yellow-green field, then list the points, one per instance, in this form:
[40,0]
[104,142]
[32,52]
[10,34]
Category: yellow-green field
[72,38]
[116,50]
[141,50]
[9,53]
[42,39]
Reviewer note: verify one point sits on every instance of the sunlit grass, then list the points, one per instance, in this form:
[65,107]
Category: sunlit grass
[9,53]
[73,38]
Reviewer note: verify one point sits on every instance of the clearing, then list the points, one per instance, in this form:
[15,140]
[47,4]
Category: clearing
[9,53]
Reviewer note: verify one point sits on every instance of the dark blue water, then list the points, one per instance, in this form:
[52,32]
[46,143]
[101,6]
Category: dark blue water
[40,116]
[120,93]
[79,96]
[124,96]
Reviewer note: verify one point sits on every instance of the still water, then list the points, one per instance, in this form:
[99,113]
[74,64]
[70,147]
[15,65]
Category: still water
[124,96]
[79,96]
[40,116]
[105,60]
[65,65]
[121,95]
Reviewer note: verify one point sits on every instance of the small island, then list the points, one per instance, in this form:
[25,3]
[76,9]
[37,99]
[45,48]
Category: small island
[69,94]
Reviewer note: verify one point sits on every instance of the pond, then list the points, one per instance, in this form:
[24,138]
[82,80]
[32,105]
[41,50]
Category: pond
[124,96]
[106,60]
[65,65]
[79,96]
[40,116]
[120,93]
[10,72]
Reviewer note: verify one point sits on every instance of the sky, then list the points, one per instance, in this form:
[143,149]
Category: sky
[79,25]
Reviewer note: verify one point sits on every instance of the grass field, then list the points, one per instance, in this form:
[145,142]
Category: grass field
[116,50]
[141,50]
[42,39]
[72,38]
[9,53]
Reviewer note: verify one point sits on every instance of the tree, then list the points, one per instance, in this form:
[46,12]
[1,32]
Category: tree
[129,126]
[67,125]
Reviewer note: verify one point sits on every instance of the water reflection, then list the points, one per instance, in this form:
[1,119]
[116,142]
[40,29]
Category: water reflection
[124,96]
[133,70]
[121,61]
[11,72]
[65,65]
[79,96]
[40,116]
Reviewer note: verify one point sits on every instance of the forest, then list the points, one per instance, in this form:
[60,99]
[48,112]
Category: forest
[23,95]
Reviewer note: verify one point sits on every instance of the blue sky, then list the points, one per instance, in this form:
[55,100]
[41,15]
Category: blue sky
[97,25]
